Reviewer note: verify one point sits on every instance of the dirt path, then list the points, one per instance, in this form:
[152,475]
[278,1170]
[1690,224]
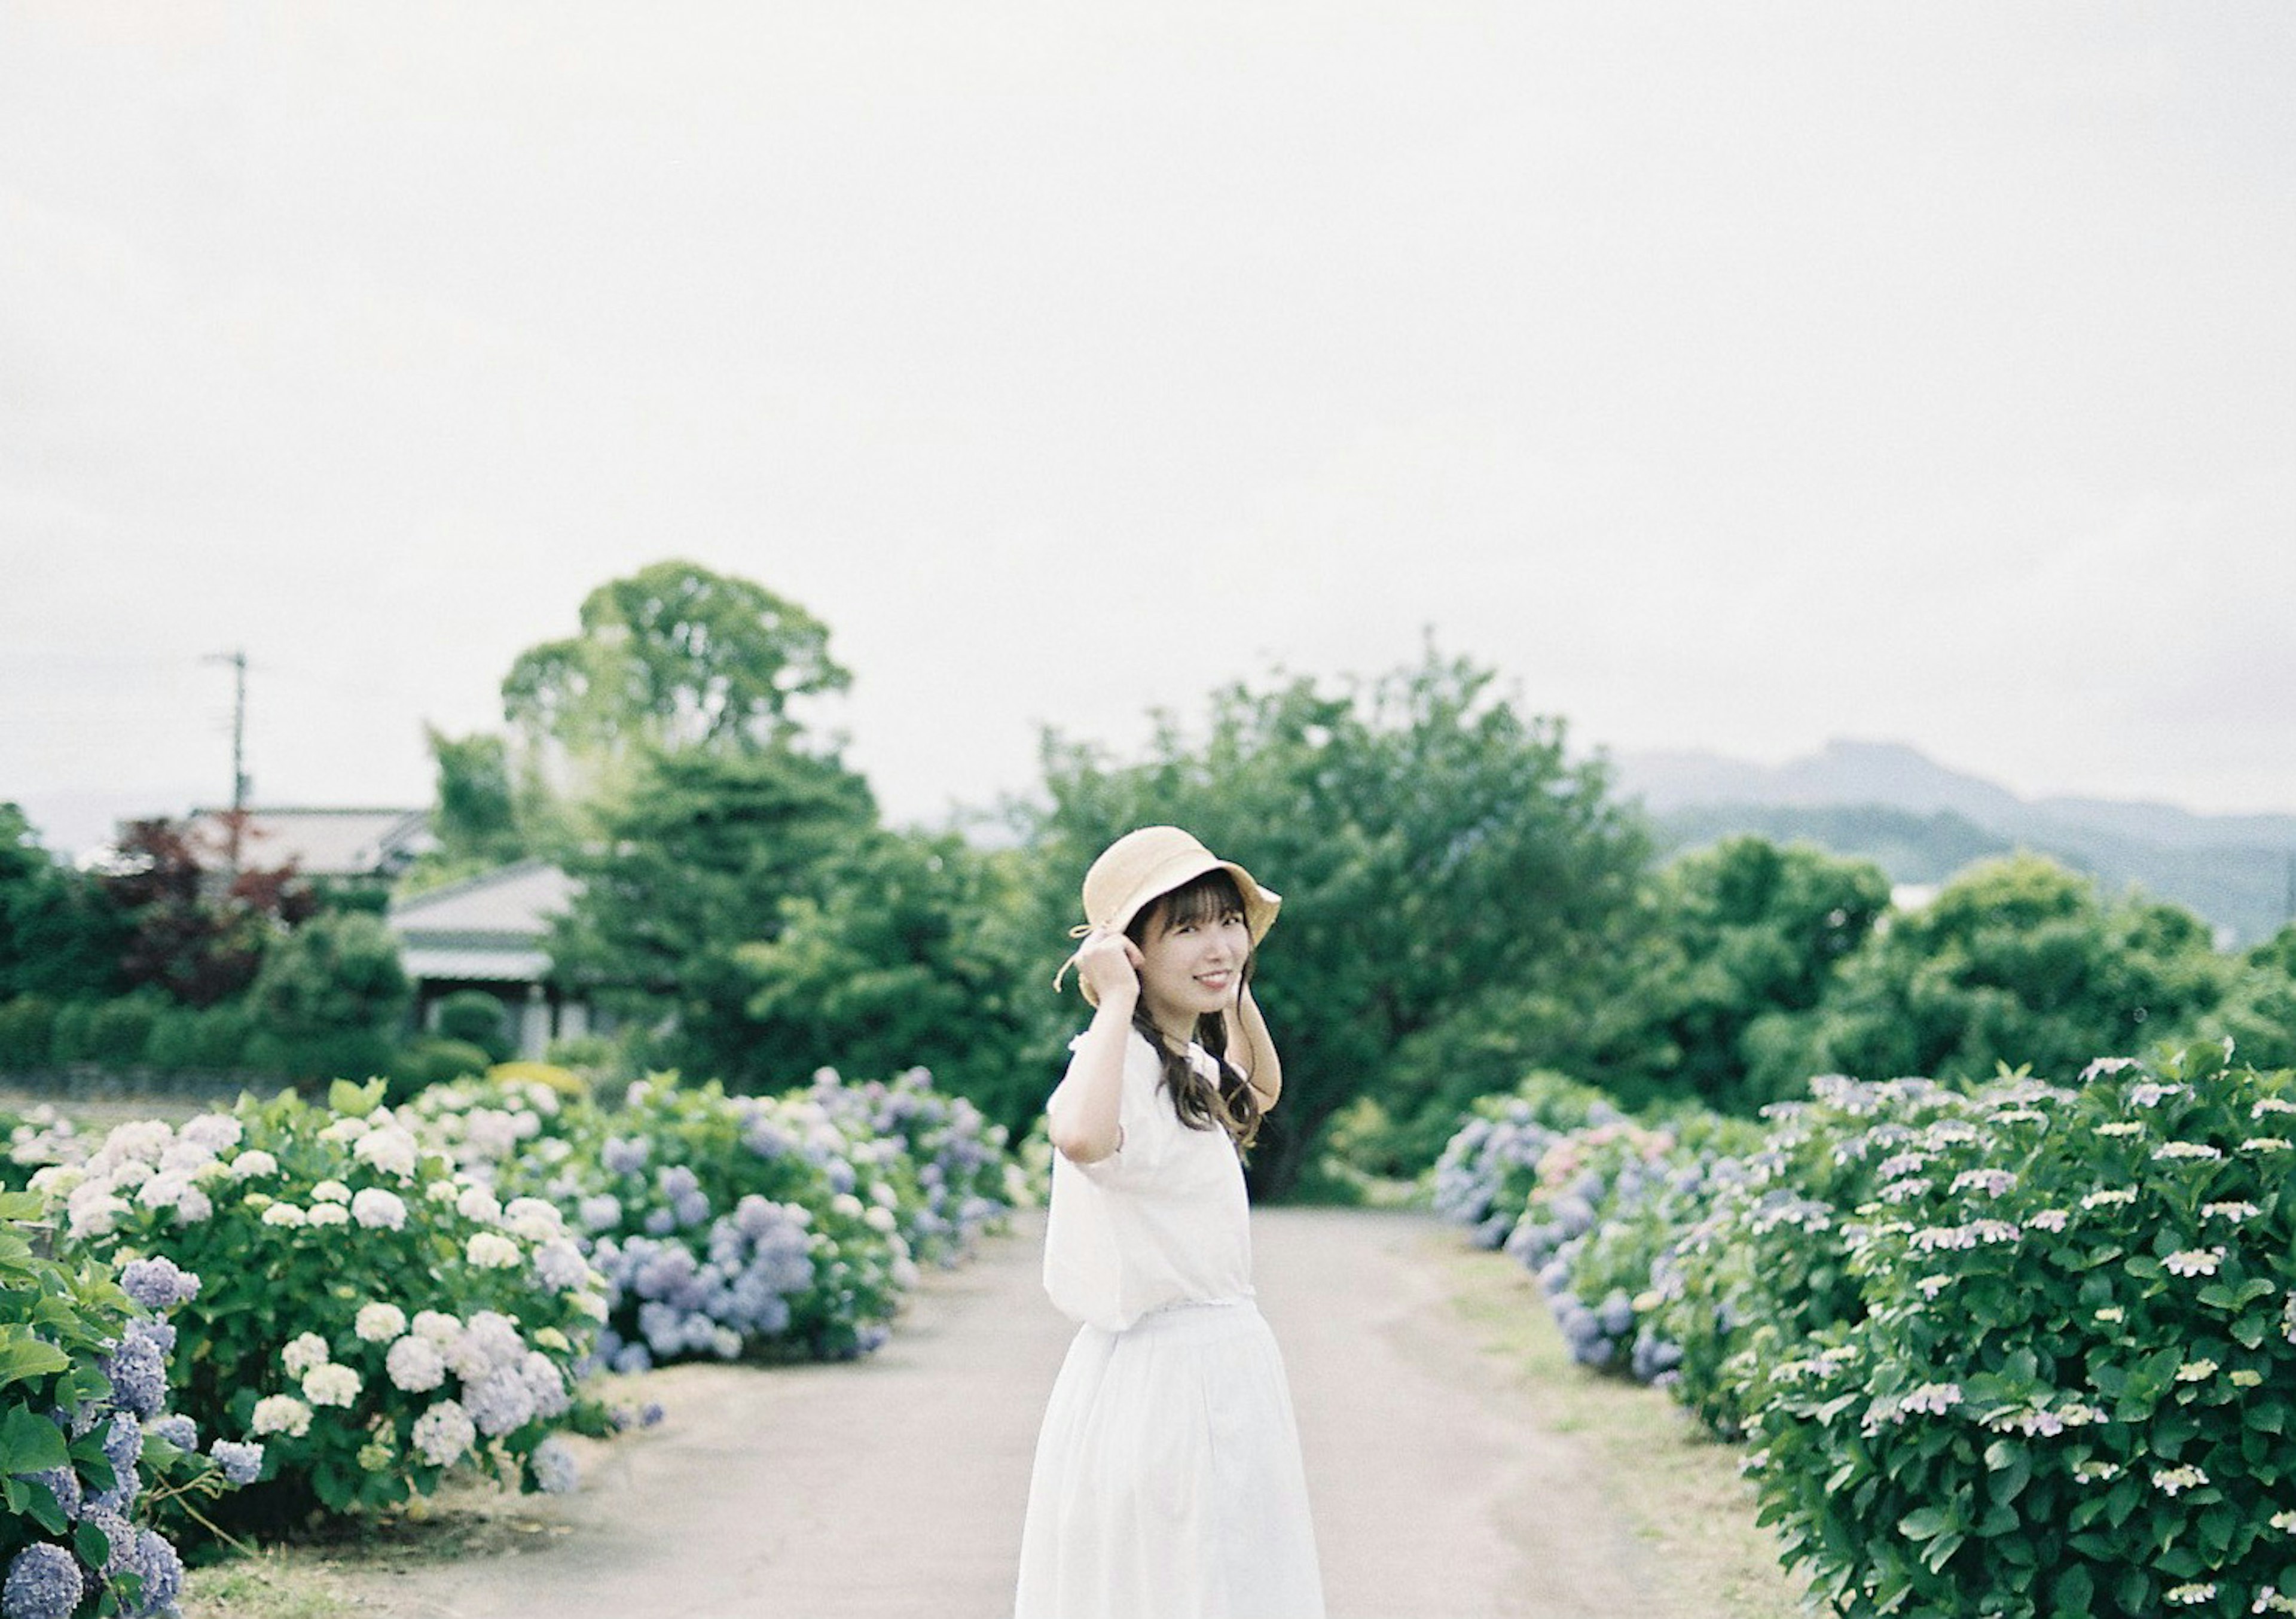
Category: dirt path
[894,1489]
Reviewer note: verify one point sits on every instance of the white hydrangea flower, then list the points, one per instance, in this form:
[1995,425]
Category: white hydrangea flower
[380,1322]
[435,1325]
[534,1219]
[331,1191]
[280,1414]
[442,1191]
[377,1209]
[331,1385]
[194,1206]
[491,1251]
[415,1364]
[139,1140]
[588,1304]
[213,1130]
[57,1180]
[285,1214]
[881,1219]
[476,1203]
[328,1215]
[443,1434]
[163,1190]
[846,1204]
[304,1351]
[351,1127]
[249,1164]
[392,1151]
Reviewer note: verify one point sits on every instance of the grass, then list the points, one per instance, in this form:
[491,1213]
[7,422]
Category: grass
[1677,1490]
[322,1575]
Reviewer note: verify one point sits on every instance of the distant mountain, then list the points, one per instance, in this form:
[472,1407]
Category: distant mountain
[1921,821]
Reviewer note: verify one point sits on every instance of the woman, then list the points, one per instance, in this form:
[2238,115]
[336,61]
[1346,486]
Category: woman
[1167,1482]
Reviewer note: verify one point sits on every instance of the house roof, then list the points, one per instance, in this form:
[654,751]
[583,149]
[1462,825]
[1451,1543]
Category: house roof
[511,904]
[495,965]
[321,843]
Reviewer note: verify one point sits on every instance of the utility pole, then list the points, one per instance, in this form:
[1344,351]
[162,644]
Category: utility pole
[238,661]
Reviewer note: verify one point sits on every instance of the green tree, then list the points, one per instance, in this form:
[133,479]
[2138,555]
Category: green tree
[1457,892]
[1747,940]
[59,934]
[330,1000]
[2260,1011]
[675,656]
[702,855]
[2017,962]
[895,963]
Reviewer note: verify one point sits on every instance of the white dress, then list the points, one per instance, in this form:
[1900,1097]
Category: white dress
[1167,1482]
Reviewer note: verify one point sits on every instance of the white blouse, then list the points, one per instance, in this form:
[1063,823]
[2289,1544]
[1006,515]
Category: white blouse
[1161,1219]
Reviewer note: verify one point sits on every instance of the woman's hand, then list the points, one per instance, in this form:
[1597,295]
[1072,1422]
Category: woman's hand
[1108,966]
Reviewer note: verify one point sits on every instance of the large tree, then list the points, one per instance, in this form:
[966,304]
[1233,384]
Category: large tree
[1456,890]
[898,961]
[60,937]
[1747,938]
[675,656]
[2017,962]
[706,854]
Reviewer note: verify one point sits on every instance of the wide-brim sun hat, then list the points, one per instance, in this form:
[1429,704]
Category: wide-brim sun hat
[1141,866]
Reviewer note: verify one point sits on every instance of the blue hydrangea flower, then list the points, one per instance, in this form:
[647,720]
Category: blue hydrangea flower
[158,1283]
[554,1466]
[623,1154]
[178,1430]
[158,1334]
[43,1583]
[123,1445]
[241,1463]
[163,1575]
[63,1484]
[138,1376]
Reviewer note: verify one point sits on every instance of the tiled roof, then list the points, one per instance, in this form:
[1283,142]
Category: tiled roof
[514,902]
[322,842]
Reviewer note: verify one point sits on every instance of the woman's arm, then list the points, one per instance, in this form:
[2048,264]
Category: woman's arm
[1083,1113]
[1251,1052]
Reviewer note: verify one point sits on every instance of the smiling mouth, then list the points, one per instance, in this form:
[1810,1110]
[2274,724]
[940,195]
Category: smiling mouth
[1214,980]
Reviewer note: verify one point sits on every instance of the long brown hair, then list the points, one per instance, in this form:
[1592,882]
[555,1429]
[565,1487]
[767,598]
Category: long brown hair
[1230,1103]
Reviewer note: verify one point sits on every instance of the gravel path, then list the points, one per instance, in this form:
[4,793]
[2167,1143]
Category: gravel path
[893,1489]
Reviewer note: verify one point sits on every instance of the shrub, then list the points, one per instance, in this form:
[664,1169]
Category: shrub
[70,1043]
[31,1141]
[2073,1386]
[1745,1287]
[349,1282]
[83,1369]
[27,1025]
[325,997]
[1486,1169]
[730,1226]
[118,1031]
[955,1157]
[1603,1283]
[476,1018]
[430,1063]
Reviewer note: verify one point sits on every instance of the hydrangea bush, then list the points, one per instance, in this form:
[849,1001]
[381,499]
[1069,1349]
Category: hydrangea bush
[86,1443]
[1487,1171]
[32,1140]
[729,1225]
[1602,1283]
[957,1187]
[1745,1285]
[2070,1389]
[366,1314]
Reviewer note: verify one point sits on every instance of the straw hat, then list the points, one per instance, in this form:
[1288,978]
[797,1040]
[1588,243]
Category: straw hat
[1140,867]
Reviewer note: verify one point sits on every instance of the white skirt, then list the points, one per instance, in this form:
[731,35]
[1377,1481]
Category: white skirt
[1167,1483]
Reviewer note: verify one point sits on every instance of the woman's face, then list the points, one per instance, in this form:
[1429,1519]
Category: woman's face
[1192,968]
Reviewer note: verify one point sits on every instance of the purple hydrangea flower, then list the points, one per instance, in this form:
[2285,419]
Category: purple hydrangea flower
[157,1333]
[158,1283]
[43,1583]
[123,1445]
[63,1484]
[178,1430]
[138,1377]
[499,1401]
[623,1154]
[240,1462]
[554,1466]
[163,1575]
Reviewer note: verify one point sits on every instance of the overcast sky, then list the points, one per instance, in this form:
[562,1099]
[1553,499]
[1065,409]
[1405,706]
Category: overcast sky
[1728,376]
